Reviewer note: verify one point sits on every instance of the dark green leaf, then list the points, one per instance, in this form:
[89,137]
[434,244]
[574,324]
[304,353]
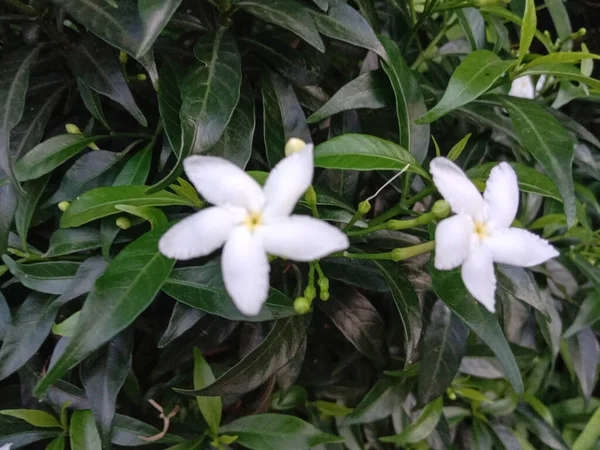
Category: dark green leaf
[560,17]
[122,293]
[57,444]
[202,287]
[83,432]
[50,154]
[472,78]
[5,317]
[562,71]
[101,202]
[421,427]
[48,277]
[364,152]
[288,14]
[103,375]
[278,348]
[588,314]
[136,170]
[8,206]
[370,90]
[210,407]
[276,431]
[127,432]
[91,100]
[169,103]
[584,351]
[67,241]
[21,434]
[83,281]
[182,319]
[549,143]
[380,402]
[35,417]
[355,272]
[590,271]
[236,142]
[444,345]
[358,320]
[14,81]
[409,101]
[540,428]
[26,206]
[519,283]
[472,23]
[450,288]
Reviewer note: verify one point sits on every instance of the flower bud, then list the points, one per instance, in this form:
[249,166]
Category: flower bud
[294,145]
[451,394]
[310,292]
[93,146]
[302,305]
[311,196]
[323,284]
[323,295]
[398,254]
[364,207]
[123,223]
[395,225]
[441,209]
[72,129]
[141,77]
[64,205]
[123,58]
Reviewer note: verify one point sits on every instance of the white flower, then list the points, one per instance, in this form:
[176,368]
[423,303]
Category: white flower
[523,87]
[251,222]
[479,234]
[6,447]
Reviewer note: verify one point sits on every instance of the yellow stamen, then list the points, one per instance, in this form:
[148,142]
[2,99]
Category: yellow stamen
[253,220]
[480,229]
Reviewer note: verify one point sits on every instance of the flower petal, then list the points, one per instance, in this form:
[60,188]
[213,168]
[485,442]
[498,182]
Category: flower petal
[287,182]
[201,233]
[456,188]
[246,271]
[501,197]
[479,278]
[453,241]
[302,238]
[221,182]
[522,87]
[519,247]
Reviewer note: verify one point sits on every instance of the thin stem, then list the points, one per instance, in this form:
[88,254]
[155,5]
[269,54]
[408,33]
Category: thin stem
[399,208]
[400,254]
[425,54]
[371,229]
[357,215]
[386,255]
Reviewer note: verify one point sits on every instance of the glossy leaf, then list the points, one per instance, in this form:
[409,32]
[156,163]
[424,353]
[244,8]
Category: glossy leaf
[68,241]
[123,292]
[83,432]
[445,344]
[169,103]
[34,417]
[562,71]
[137,168]
[421,427]
[472,78]
[590,434]
[527,29]
[202,288]
[380,402]
[8,206]
[210,407]
[588,314]
[57,444]
[52,277]
[542,430]
[519,283]
[21,434]
[276,431]
[584,351]
[92,102]
[473,25]
[127,431]
[182,319]
[357,273]
[26,206]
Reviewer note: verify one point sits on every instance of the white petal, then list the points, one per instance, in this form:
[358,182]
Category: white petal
[302,238]
[221,182]
[479,278]
[523,88]
[201,233]
[287,182]
[246,271]
[519,248]
[456,188]
[501,197]
[6,447]
[453,241]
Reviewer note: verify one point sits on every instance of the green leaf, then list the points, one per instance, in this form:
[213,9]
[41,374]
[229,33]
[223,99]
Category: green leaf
[14,82]
[169,103]
[276,431]
[590,271]
[103,376]
[409,101]
[102,202]
[136,170]
[547,434]
[354,272]
[153,215]
[358,320]
[57,444]
[528,29]
[562,71]
[127,432]
[35,417]
[210,407]
[449,286]
[278,348]
[50,154]
[549,143]
[97,66]
[68,241]
[92,102]
[182,319]
[520,284]
[331,409]
[21,434]
[5,317]
[560,57]
[49,277]
[590,434]
[37,313]
[422,427]
[370,90]
[235,144]
[560,17]
[120,295]
[472,23]
[83,432]
[203,288]
[458,148]
[407,304]
[26,206]
[210,91]
[364,152]
[588,314]
[67,326]
[472,78]
[288,14]
[445,344]
[344,23]
[8,206]
[381,401]
[584,352]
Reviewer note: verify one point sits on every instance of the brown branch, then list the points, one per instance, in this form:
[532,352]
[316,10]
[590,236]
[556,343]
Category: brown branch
[166,421]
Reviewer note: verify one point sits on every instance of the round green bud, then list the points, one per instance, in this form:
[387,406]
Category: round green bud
[451,394]
[64,205]
[310,292]
[294,145]
[323,284]
[311,196]
[141,77]
[364,207]
[581,32]
[123,58]
[72,129]
[394,225]
[302,305]
[398,254]
[123,223]
[324,295]
[441,209]
[93,146]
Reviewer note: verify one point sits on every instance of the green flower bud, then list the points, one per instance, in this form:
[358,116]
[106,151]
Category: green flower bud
[398,254]
[395,225]
[72,129]
[581,32]
[310,292]
[123,223]
[302,305]
[323,284]
[364,207]
[64,205]
[311,196]
[141,77]
[451,394]
[93,146]
[294,145]
[123,58]
[441,209]
[324,295]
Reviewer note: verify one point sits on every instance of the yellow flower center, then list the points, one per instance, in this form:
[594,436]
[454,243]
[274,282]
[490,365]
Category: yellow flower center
[253,220]
[480,229]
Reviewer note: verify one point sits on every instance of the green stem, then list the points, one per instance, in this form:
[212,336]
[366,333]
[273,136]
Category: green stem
[399,208]
[357,215]
[425,54]
[387,255]
[371,229]
[400,254]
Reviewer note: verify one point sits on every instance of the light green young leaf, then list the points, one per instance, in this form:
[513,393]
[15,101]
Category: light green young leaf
[528,29]
[33,416]
[420,428]
[210,407]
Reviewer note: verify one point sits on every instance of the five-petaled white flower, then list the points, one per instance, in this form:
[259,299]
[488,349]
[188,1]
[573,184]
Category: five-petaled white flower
[479,234]
[251,222]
